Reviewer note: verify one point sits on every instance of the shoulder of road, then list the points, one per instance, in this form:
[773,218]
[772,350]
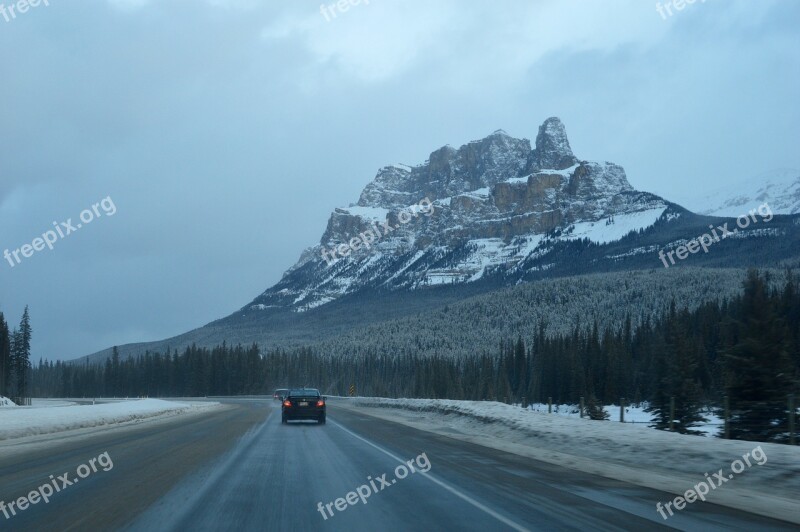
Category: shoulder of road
[639,455]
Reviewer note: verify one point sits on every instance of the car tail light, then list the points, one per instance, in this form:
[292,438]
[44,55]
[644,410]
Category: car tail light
[287,403]
[320,403]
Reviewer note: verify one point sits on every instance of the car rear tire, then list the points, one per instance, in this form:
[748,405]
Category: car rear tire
[321,420]
[284,420]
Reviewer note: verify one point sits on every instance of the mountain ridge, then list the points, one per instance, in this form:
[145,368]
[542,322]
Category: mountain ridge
[498,218]
[495,200]
[779,188]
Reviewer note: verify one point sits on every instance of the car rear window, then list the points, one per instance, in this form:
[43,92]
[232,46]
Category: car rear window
[304,393]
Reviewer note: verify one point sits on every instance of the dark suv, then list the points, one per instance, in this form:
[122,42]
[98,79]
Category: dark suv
[305,403]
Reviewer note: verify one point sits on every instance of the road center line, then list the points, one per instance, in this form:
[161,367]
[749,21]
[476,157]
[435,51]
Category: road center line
[457,493]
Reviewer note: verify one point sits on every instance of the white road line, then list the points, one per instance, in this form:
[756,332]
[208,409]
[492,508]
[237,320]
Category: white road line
[449,488]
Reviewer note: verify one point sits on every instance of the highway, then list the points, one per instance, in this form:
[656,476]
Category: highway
[240,469]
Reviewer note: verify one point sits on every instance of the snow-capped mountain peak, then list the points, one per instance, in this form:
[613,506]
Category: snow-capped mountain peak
[780,189]
[487,208]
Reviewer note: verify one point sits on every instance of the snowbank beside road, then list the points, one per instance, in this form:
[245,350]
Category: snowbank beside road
[633,453]
[24,421]
[49,403]
[4,401]
[634,414]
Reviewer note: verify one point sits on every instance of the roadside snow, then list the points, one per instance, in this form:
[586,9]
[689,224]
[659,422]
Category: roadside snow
[30,421]
[629,452]
[4,401]
[633,414]
[50,403]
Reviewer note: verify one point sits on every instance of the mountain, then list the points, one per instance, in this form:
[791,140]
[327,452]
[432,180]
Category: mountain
[494,213]
[780,189]
[487,207]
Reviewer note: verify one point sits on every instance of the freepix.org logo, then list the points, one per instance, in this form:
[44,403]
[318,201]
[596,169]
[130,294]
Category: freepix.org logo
[11,11]
[60,231]
[712,482]
[340,6]
[55,485]
[665,9]
[375,232]
[720,233]
[363,492]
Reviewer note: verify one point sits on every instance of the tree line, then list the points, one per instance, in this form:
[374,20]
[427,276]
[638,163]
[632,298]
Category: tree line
[746,348]
[15,354]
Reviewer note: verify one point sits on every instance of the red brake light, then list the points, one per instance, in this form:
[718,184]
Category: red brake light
[287,403]
[320,403]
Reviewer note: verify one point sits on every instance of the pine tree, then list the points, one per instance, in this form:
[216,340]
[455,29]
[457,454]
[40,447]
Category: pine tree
[675,369]
[595,410]
[116,379]
[520,372]
[22,346]
[5,357]
[759,369]
[683,367]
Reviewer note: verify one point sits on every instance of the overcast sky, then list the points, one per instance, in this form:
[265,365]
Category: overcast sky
[226,131]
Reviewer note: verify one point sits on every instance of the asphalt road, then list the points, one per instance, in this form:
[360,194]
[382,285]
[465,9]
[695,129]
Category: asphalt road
[241,470]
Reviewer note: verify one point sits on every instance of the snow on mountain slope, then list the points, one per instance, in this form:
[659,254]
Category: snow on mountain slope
[603,232]
[780,189]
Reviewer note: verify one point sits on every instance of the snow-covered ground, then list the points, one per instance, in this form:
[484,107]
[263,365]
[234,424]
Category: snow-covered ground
[50,403]
[633,414]
[47,417]
[4,401]
[631,452]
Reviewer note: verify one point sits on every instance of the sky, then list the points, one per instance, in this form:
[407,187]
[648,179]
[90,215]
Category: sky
[206,142]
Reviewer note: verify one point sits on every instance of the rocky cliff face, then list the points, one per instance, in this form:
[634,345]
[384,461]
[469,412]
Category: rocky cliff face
[480,210]
[552,147]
